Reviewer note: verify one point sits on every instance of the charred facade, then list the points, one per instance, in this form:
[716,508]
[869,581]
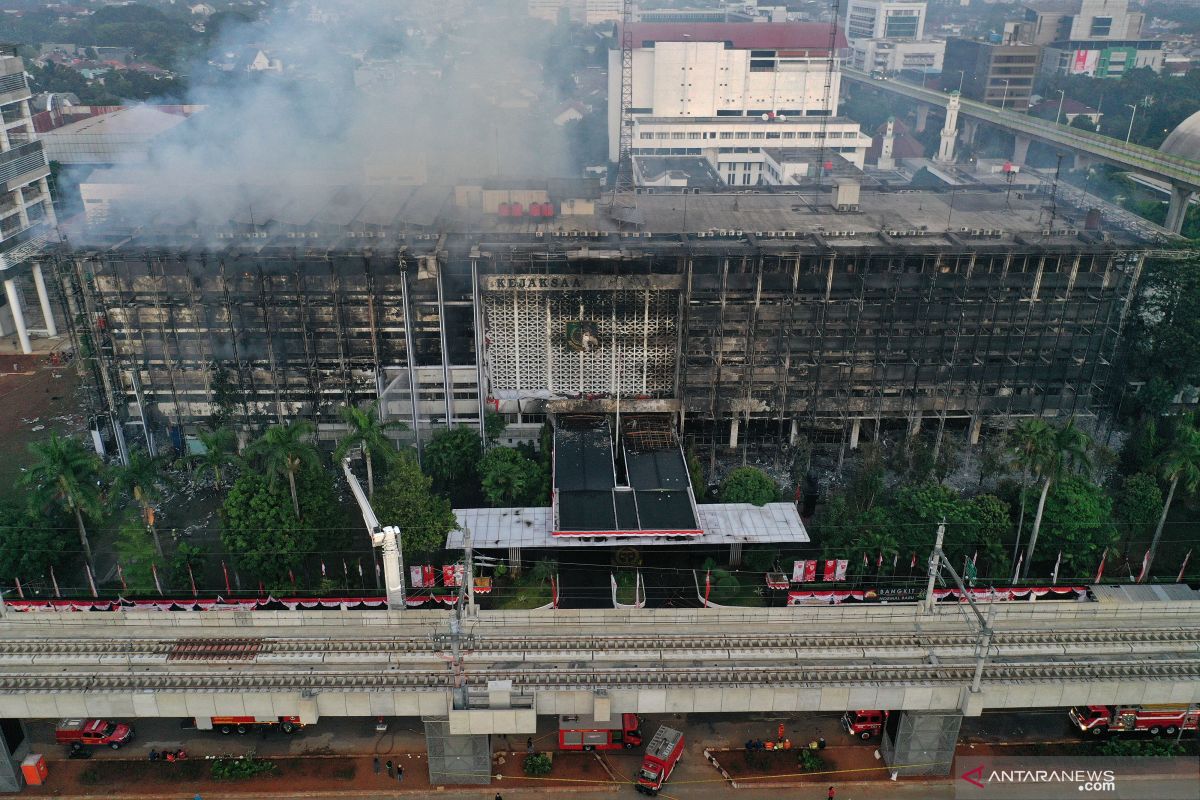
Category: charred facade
[821,323]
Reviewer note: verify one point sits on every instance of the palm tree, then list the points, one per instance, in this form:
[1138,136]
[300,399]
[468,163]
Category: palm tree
[369,433]
[71,473]
[1029,443]
[285,450]
[1066,448]
[142,477]
[1180,462]
[218,452]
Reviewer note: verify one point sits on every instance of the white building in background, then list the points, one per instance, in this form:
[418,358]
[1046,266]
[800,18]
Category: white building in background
[716,78]
[889,36]
[588,12]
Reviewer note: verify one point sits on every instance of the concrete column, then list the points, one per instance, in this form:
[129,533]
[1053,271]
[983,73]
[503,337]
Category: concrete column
[1181,199]
[792,434]
[946,148]
[914,424]
[14,305]
[922,117]
[970,128]
[925,740]
[855,430]
[974,429]
[733,433]
[14,746]
[1020,149]
[393,567]
[44,300]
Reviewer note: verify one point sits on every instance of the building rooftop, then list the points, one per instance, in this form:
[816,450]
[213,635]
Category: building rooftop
[138,120]
[720,523]
[740,35]
[694,172]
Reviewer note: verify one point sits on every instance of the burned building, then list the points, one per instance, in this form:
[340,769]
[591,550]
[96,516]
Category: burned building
[760,314]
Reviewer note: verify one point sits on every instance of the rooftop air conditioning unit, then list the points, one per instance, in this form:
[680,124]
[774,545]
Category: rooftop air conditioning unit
[912,233]
[963,230]
[1045,233]
[790,234]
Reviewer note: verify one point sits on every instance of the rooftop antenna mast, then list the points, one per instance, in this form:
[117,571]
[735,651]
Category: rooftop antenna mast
[624,182]
[831,63]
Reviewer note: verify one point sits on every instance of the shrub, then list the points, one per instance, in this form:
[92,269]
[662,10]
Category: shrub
[758,760]
[346,773]
[809,760]
[1143,748]
[748,485]
[91,777]
[537,765]
[237,769]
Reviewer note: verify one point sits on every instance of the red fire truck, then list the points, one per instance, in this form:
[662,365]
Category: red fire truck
[80,733]
[228,725]
[662,754]
[864,724]
[1168,719]
[583,732]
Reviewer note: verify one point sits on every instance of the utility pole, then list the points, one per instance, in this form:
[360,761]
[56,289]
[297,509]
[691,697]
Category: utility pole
[934,560]
[469,569]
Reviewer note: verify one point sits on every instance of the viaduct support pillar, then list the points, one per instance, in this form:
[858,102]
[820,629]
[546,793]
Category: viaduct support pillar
[18,315]
[733,433]
[970,128]
[855,430]
[1020,149]
[921,743]
[922,117]
[1181,199]
[14,746]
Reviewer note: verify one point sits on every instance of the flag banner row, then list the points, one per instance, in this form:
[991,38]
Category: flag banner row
[819,597]
[829,570]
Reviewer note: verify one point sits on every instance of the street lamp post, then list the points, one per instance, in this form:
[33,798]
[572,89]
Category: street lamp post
[1132,117]
[1062,95]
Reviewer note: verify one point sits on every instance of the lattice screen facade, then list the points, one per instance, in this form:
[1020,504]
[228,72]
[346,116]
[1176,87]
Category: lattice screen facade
[634,348]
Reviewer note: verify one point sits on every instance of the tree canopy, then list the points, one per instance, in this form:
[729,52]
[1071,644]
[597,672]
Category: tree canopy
[749,485]
[407,501]
[510,478]
[1163,338]
[451,459]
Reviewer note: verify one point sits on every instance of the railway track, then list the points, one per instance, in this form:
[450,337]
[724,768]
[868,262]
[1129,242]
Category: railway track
[611,677]
[272,649]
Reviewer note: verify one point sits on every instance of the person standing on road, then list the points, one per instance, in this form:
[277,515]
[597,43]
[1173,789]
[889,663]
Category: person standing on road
[375,764]
[831,794]
[389,768]
[399,772]
[498,797]
[529,745]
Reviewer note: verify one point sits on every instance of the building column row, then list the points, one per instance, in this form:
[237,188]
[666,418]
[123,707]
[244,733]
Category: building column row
[17,310]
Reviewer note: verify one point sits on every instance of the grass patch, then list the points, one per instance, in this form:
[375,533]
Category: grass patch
[522,595]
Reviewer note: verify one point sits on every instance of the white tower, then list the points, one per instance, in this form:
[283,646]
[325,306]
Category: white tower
[946,150]
[885,149]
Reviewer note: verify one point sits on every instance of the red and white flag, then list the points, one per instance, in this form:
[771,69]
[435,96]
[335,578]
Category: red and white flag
[879,560]
[895,560]
[292,578]
[225,570]
[866,562]
[842,565]
[913,563]
[830,571]
[975,559]
[154,572]
[1145,567]
[707,586]
[54,582]
[322,569]
[1054,575]
[1183,567]
[1100,569]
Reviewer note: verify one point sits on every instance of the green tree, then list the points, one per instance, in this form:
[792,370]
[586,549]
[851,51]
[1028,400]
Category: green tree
[406,500]
[136,554]
[1180,462]
[261,530]
[1164,326]
[543,570]
[1078,522]
[1048,452]
[143,478]
[29,542]
[868,482]
[1138,505]
[748,485]
[696,474]
[368,433]
[218,453]
[510,478]
[283,451]
[69,473]
[452,460]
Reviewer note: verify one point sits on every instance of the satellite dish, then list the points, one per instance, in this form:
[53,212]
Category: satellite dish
[781,118]
[766,117]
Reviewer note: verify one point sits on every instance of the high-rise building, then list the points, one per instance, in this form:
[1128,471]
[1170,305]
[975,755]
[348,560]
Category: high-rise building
[997,74]
[26,214]
[889,36]
[1100,38]
[732,89]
